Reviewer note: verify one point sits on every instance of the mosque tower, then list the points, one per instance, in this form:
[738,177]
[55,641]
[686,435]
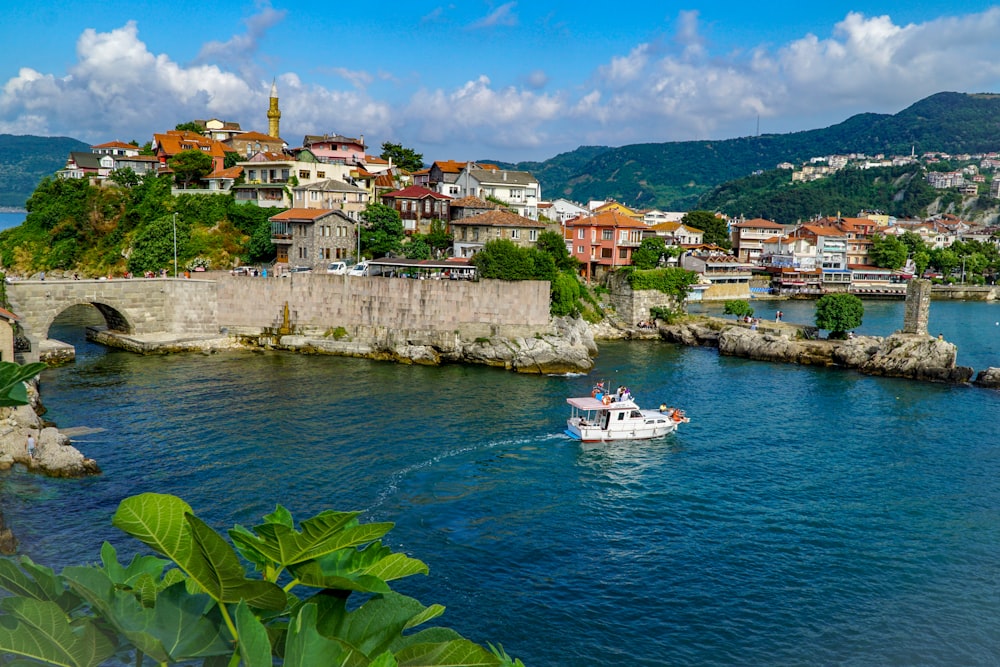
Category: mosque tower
[273,113]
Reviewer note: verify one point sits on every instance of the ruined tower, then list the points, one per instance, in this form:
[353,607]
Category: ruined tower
[918,305]
[273,113]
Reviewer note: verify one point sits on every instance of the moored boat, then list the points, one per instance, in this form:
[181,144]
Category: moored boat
[603,417]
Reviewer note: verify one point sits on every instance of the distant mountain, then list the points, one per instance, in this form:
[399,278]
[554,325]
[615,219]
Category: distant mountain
[674,175]
[26,159]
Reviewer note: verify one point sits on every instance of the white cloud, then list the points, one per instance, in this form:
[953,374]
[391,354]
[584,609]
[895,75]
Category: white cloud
[501,16]
[659,90]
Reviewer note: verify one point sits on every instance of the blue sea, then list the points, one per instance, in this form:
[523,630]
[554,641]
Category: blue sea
[805,516]
[8,220]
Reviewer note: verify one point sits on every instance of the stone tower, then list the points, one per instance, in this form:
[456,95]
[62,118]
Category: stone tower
[273,113]
[918,305]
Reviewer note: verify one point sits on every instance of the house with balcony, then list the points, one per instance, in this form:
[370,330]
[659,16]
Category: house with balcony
[831,253]
[331,194]
[562,210]
[220,130]
[603,242]
[312,237]
[471,233]
[336,149]
[270,177]
[417,207]
[92,166]
[172,142]
[677,233]
[727,276]
[115,149]
[518,190]
[249,144]
[748,236]
[442,176]
[223,180]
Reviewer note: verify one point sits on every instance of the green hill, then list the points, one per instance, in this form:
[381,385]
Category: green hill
[25,160]
[675,175]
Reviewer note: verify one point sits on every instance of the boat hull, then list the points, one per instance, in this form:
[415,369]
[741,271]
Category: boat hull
[636,432]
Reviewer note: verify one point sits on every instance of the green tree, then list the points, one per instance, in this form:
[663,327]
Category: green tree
[125,177]
[417,248]
[839,313]
[921,260]
[649,252]
[153,247]
[382,232]
[438,237]
[190,126]
[191,165]
[553,243]
[715,229]
[564,294]
[195,602]
[888,252]
[502,259]
[738,307]
[945,260]
[404,158]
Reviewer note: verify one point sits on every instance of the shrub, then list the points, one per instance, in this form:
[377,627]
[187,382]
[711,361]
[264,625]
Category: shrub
[839,313]
[737,307]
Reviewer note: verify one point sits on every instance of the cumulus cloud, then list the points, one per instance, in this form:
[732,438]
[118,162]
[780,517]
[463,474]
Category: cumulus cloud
[501,16]
[660,89]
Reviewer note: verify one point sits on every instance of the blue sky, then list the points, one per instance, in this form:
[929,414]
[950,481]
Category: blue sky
[480,80]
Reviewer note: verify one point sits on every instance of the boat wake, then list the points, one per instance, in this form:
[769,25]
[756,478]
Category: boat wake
[392,486]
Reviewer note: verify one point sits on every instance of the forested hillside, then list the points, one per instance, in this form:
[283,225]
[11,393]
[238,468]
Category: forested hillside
[673,176]
[75,227]
[26,160]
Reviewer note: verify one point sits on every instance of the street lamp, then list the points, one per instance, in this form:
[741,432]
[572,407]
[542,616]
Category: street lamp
[175,245]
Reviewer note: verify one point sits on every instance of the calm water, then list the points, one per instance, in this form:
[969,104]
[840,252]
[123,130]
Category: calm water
[804,516]
[8,220]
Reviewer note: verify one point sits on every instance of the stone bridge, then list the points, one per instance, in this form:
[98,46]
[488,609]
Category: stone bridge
[133,306]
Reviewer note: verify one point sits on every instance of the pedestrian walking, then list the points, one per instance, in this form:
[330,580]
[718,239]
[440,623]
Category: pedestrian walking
[31,446]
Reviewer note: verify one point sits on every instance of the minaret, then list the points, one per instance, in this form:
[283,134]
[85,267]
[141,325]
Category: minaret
[273,113]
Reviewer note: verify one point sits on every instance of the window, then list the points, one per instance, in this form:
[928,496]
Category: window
[607,234]
[515,233]
[606,253]
[320,174]
[581,234]
[623,235]
[623,253]
[580,249]
[303,173]
[533,235]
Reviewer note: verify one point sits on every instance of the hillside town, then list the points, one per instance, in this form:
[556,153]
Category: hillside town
[320,189]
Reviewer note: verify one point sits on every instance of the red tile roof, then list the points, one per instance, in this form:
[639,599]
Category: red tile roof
[606,219]
[415,192]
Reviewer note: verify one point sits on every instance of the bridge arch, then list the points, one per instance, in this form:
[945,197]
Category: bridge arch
[114,318]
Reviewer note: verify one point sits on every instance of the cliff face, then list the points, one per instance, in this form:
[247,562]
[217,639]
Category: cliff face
[911,356]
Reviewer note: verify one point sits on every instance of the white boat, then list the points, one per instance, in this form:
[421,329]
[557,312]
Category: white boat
[603,417]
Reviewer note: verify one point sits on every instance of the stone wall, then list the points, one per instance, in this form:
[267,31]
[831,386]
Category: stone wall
[966,292]
[727,291]
[364,306]
[633,306]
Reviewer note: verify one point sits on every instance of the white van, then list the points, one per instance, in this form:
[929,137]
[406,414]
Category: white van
[337,268]
[360,269]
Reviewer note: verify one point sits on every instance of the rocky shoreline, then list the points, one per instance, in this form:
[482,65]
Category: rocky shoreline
[54,456]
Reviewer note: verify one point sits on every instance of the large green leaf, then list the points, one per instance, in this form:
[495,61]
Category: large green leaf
[12,378]
[179,627]
[158,521]
[140,568]
[216,567]
[456,653]
[363,571]
[306,647]
[378,624]
[42,631]
[36,582]
[324,533]
[255,645]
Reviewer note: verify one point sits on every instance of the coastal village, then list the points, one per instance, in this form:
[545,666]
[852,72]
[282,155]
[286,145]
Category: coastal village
[321,187]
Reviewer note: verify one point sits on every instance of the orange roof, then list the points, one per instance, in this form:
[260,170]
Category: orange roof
[257,136]
[498,219]
[611,218]
[302,214]
[232,172]
[116,144]
[473,202]
[174,141]
[415,192]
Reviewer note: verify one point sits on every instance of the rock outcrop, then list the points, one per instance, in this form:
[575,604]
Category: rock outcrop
[569,350]
[989,378]
[54,455]
[914,356]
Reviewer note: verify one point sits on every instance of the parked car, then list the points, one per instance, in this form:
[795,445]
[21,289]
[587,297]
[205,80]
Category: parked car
[337,268]
[242,271]
[297,269]
[360,269]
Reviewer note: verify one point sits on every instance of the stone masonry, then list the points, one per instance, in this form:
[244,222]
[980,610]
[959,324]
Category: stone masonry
[918,306]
